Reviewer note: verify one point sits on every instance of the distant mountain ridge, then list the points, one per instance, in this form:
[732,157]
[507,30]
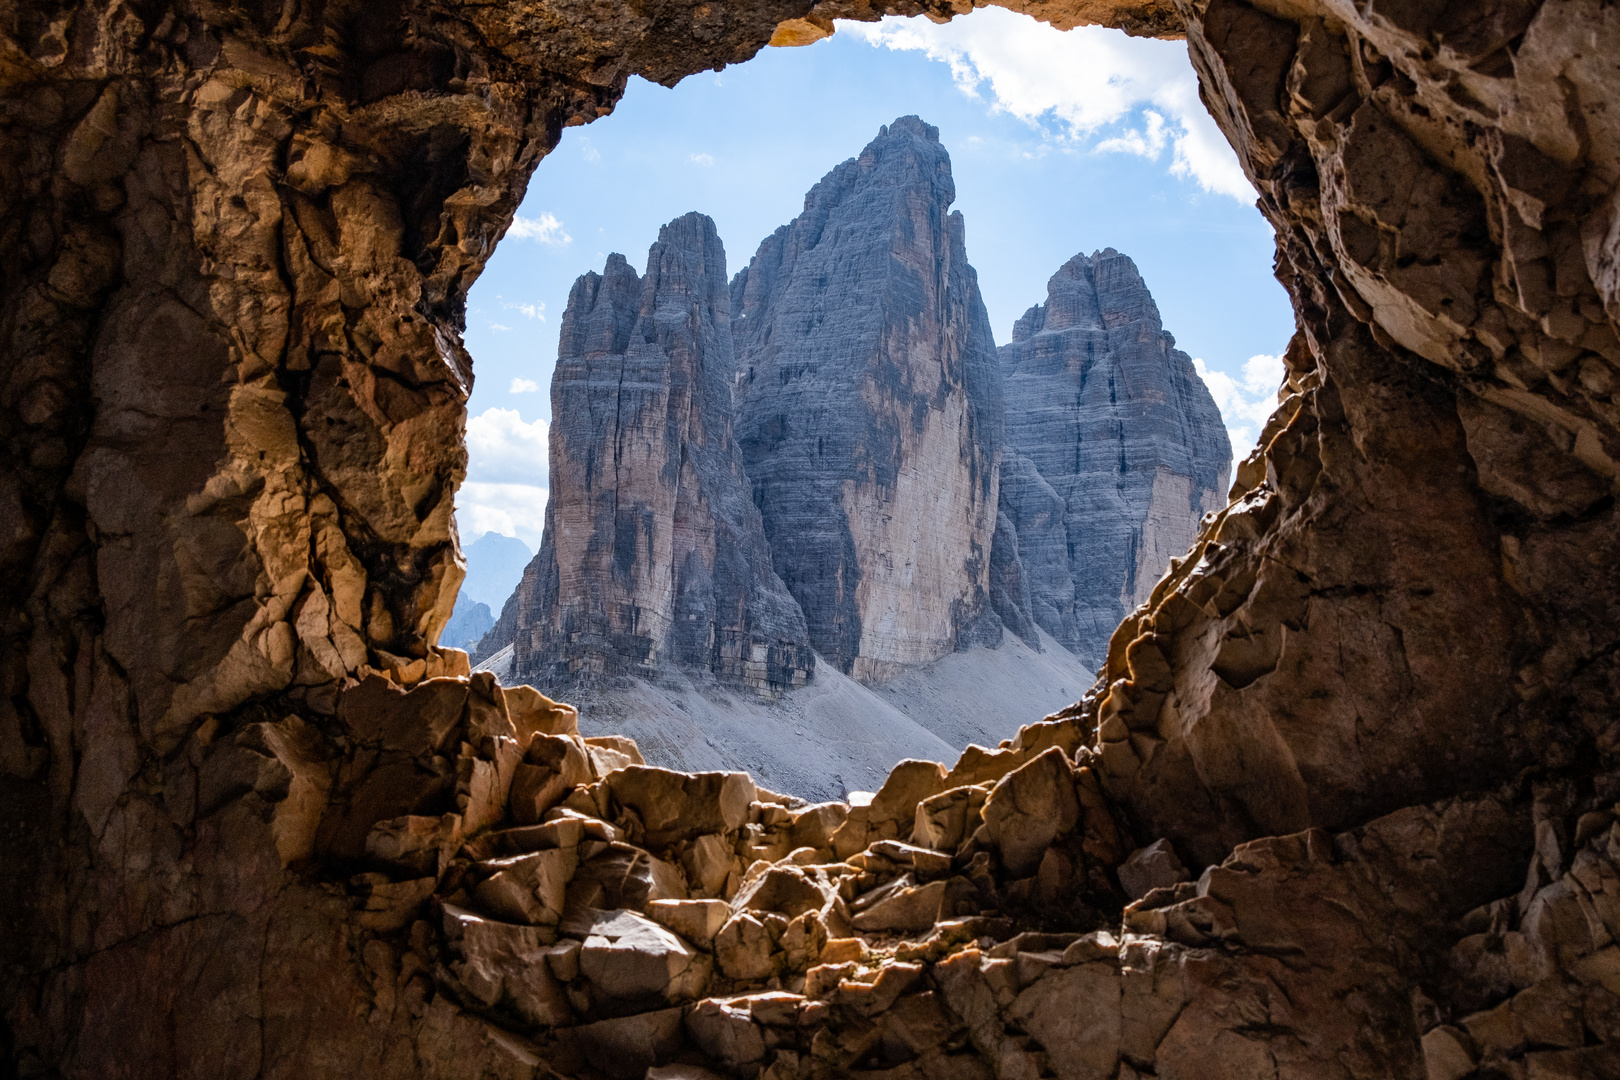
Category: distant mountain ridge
[828,462]
[869,410]
[1114,449]
[494,567]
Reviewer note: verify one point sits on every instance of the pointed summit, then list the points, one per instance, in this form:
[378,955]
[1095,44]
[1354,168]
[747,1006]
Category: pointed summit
[869,409]
[1115,449]
[653,553]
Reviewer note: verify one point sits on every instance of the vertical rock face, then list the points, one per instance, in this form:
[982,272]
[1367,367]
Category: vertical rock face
[653,551]
[1376,703]
[869,409]
[1114,449]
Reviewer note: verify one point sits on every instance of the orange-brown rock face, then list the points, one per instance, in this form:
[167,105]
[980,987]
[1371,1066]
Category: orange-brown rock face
[1343,803]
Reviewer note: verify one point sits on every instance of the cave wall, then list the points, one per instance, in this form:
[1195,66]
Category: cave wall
[236,244]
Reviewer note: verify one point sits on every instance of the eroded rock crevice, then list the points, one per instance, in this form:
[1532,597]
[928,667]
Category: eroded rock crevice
[1342,802]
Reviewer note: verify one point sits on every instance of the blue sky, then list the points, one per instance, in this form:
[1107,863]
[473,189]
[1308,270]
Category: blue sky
[1060,143]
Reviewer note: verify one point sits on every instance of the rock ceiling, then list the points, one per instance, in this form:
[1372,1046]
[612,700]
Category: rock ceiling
[258,825]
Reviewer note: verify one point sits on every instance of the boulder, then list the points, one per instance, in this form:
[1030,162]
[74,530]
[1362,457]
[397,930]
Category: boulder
[626,1047]
[710,862]
[903,906]
[783,890]
[626,955]
[502,965]
[414,842]
[417,721]
[674,806]
[698,921]
[1029,808]
[744,949]
[620,875]
[724,1029]
[894,807]
[943,821]
[532,713]
[552,767]
[1153,867]
[528,888]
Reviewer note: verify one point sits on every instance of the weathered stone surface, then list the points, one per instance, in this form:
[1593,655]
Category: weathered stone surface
[1028,809]
[697,921]
[236,248]
[1114,450]
[500,964]
[869,409]
[628,956]
[653,552]
[1153,867]
[674,806]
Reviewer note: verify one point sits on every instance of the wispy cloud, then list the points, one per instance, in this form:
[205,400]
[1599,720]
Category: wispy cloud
[701,159]
[1247,403]
[523,386]
[536,310]
[507,475]
[545,229]
[1088,86]
[588,151]
[499,326]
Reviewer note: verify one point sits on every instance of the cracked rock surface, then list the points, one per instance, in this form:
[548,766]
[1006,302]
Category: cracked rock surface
[1357,746]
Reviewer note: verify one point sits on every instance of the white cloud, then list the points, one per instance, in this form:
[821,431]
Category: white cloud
[498,326]
[587,151]
[523,386]
[546,229]
[501,446]
[536,310]
[702,159]
[1132,95]
[1246,403]
[509,509]
[507,476]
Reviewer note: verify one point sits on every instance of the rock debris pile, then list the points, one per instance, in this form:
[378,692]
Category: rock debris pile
[595,916]
[259,824]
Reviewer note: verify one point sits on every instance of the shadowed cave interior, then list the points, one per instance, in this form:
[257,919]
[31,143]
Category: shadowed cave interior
[1341,803]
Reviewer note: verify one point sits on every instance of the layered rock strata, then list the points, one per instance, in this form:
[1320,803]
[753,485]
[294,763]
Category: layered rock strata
[869,409]
[653,553]
[1373,709]
[1114,449]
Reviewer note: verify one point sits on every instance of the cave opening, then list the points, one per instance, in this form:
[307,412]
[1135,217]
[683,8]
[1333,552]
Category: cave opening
[1054,143]
[1342,801]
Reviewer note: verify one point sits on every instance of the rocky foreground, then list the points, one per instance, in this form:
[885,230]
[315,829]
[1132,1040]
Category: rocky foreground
[563,907]
[1373,707]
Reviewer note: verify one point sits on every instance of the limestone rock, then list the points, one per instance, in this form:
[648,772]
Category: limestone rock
[697,921]
[869,409]
[235,263]
[500,964]
[1115,450]
[1153,867]
[674,806]
[628,956]
[653,552]
[1029,808]
[530,888]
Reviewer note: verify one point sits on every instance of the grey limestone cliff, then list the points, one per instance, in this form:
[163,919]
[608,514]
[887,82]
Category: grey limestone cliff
[1114,449]
[869,409]
[653,553]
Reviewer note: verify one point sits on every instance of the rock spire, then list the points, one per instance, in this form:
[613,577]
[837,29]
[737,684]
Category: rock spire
[653,552]
[869,409]
[1114,449]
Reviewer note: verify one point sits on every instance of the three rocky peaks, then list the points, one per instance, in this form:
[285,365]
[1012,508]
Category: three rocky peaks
[830,457]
